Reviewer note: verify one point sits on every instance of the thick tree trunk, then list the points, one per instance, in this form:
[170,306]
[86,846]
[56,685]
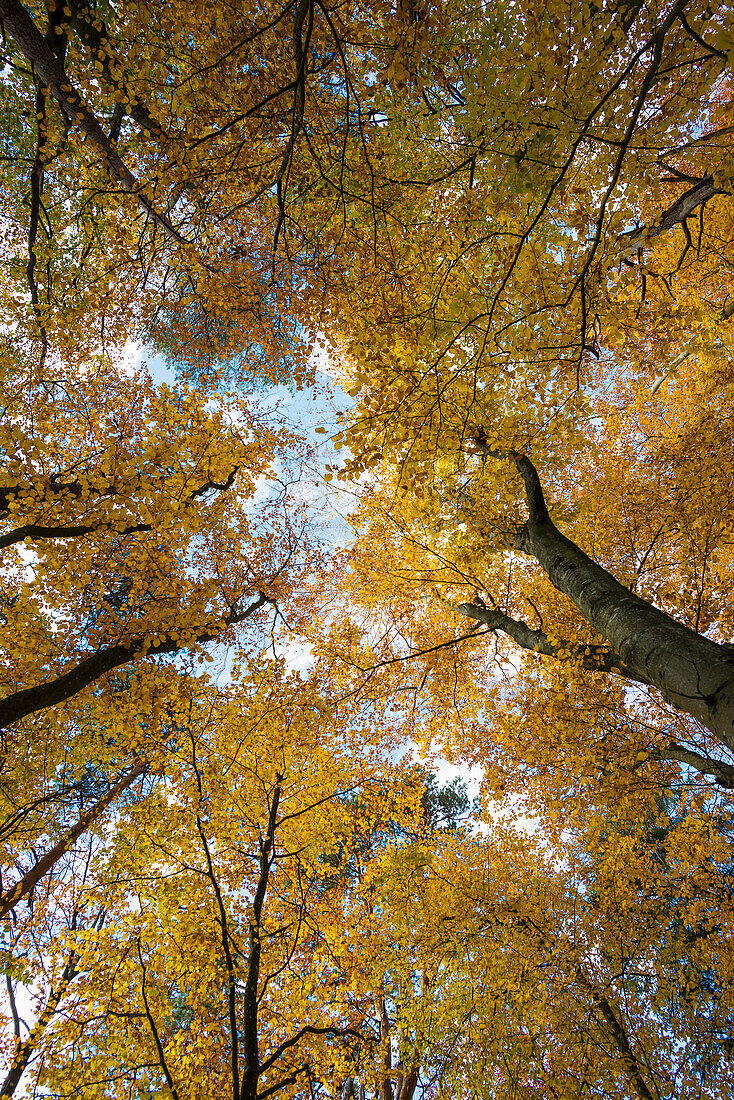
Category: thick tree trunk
[694,674]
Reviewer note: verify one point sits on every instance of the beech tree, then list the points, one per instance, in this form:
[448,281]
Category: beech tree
[549,351]
[647,646]
[513,230]
[127,216]
[208,966]
[494,960]
[117,541]
[131,538]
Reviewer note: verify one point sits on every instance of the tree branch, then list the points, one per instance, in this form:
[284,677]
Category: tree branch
[29,700]
[290,1080]
[723,773]
[596,658]
[307,1030]
[11,897]
[619,1035]
[231,981]
[682,208]
[97,41]
[24,31]
[38,531]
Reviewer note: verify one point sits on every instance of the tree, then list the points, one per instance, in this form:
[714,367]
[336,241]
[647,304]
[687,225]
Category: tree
[496,962]
[693,673]
[40,949]
[375,977]
[170,167]
[515,336]
[28,882]
[503,259]
[132,547]
[131,538]
[104,76]
[130,534]
[557,716]
[207,971]
[499,273]
[553,971]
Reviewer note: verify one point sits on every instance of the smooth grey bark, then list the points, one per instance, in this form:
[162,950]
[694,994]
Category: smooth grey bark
[596,658]
[722,773]
[693,674]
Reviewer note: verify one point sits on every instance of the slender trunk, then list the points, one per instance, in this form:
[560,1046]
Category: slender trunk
[18,23]
[251,1068]
[231,976]
[24,1051]
[23,887]
[384,1082]
[606,1013]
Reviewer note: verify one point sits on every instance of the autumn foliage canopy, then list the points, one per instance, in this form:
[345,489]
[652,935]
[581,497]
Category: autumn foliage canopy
[247,639]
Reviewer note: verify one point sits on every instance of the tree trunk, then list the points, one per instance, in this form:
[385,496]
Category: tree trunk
[384,1082]
[25,1051]
[23,887]
[18,23]
[693,674]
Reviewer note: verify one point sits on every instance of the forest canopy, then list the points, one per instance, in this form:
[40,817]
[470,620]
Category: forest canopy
[254,648]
